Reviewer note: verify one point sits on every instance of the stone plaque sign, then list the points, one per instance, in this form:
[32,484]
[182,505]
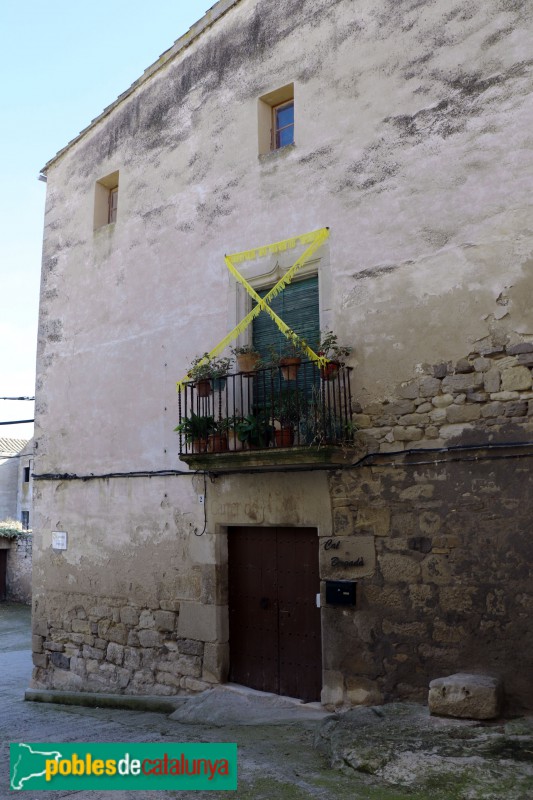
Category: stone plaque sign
[347,557]
[59,540]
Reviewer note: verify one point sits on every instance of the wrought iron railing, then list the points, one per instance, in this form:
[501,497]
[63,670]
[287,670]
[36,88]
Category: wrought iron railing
[298,406]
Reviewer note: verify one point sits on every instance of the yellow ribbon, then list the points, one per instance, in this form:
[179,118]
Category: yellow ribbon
[315,239]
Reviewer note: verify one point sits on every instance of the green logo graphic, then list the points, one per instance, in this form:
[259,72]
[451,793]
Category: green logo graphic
[124,765]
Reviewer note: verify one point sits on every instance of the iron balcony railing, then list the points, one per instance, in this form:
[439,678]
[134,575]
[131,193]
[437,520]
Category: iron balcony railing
[303,405]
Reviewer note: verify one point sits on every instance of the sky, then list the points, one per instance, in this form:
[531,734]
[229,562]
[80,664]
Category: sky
[62,62]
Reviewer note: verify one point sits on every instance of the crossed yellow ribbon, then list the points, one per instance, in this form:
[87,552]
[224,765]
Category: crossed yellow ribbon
[315,239]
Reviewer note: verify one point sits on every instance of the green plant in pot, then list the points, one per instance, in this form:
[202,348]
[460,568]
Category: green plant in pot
[255,430]
[329,348]
[286,413]
[196,430]
[288,357]
[247,357]
[218,439]
[209,373]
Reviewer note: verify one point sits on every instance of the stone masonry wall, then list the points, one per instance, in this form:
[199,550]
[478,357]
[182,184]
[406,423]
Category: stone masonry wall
[452,587]
[485,396]
[118,647]
[19,569]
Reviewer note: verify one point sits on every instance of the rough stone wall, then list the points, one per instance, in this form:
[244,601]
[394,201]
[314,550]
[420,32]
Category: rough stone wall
[19,570]
[485,397]
[119,647]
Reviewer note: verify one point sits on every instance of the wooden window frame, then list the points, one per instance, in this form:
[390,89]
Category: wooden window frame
[276,130]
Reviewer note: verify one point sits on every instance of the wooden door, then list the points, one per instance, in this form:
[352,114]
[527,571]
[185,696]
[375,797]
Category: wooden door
[275,635]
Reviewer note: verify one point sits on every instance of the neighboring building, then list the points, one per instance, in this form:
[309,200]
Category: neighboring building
[16,458]
[405,129]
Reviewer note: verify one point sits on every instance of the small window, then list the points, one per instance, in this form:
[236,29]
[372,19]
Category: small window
[106,201]
[276,119]
[283,125]
[26,474]
[113,204]
[25,519]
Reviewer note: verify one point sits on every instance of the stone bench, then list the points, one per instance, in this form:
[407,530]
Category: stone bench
[466,696]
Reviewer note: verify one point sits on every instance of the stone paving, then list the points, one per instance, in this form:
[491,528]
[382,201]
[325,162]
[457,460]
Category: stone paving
[390,753]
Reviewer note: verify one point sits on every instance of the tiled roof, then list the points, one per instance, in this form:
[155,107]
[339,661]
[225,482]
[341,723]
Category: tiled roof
[10,446]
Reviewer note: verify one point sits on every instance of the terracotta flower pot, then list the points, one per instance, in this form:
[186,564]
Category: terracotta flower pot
[199,445]
[284,437]
[217,443]
[203,387]
[330,370]
[247,362]
[289,368]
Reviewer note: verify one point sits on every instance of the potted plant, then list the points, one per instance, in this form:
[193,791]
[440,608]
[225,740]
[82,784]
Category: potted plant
[289,359]
[255,430]
[218,439]
[286,414]
[196,430]
[247,358]
[329,348]
[208,373]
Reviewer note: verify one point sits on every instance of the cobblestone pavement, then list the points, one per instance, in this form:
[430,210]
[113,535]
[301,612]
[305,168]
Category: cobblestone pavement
[275,760]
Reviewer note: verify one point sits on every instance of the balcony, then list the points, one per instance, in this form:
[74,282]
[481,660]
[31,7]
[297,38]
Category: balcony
[284,417]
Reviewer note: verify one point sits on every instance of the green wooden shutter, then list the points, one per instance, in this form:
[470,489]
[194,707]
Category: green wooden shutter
[297,305]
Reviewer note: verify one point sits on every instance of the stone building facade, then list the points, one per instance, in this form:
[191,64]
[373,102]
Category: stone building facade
[411,144]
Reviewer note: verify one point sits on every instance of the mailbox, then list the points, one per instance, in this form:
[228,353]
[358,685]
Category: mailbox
[340,593]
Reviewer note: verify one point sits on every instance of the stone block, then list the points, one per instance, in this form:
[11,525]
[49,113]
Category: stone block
[516,379]
[362,420]
[438,416]
[100,612]
[363,692]
[147,619]
[428,387]
[216,662]
[464,366]
[194,685]
[81,626]
[521,347]
[408,390]
[482,364]
[440,370]
[516,409]
[118,633]
[165,620]
[493,409]
[60,661]
[332,688]
[454,431]
[190,647]
[375,520]
[150,638]
[37,644]
[504,397]
[492,380]
[424,408]
[54,647]
[40,627]
[462,383]
[409,434]
[414,419]
[399,569]
[115,653]
[400,407]
[525,360]
[93,652]
[466,413]
[40,659]
[206,623]
[477,397]
[466,696]
[129,616]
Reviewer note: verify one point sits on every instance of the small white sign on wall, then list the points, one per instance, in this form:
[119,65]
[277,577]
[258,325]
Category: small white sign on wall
[59,540]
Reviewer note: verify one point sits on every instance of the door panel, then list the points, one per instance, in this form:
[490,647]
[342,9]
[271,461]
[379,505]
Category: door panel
[3,570]
[275,636]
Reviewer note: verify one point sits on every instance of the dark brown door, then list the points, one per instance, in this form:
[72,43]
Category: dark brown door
[3,570]
[275,636]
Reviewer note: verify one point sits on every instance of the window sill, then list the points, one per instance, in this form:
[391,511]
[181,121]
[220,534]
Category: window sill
[280,152]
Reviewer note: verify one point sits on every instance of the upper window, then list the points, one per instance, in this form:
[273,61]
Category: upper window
[26,474]
[283,125]
[106,200]
[276,119]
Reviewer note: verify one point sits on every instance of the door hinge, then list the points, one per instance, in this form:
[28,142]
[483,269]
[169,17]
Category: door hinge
[317,600]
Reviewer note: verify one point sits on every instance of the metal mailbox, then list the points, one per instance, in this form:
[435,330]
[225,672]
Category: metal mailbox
[340,593]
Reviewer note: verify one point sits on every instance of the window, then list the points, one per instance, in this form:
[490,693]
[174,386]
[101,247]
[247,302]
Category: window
[106,200]
[26,474]
[276,119]
[25,519]
[283,125]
